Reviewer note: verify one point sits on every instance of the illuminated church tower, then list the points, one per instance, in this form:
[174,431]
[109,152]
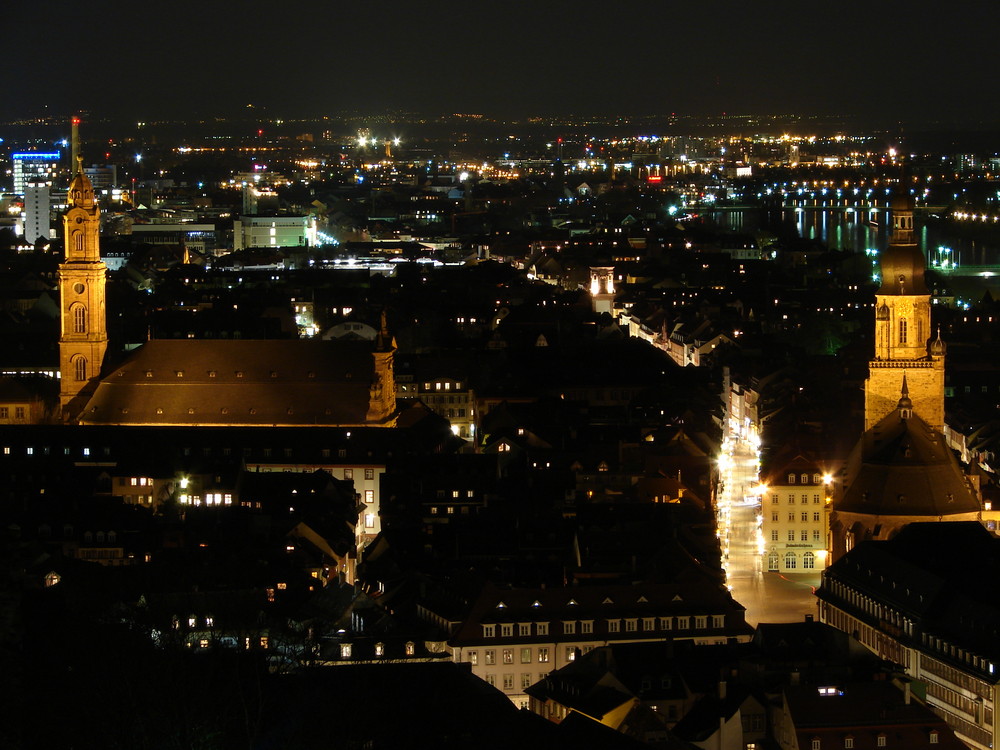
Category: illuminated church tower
[84,335]
[903,330]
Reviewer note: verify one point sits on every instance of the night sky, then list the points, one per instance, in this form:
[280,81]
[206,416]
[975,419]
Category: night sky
[152,58]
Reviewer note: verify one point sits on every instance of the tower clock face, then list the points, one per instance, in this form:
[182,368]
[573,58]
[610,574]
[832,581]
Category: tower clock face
[78,288]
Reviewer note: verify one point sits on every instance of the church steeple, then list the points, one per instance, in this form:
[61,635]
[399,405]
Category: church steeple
[903,328]
[84,337]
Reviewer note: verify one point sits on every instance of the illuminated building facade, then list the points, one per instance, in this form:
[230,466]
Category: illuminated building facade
[34,166]
[273,231]
[512,638]
[82,280]
[37,207]
[795,505]
[903,331]
[924,601]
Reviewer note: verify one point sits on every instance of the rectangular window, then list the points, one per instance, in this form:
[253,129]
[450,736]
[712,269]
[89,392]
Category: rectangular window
[543,655]
[369,473]
[774,516]
[815,535]
[816,516]
[524,628]
[508,682]
[804,536]
[525,680]
[666,623]
[489,631]
[526,655]
[700,622]
[508,656]
[805,499]
[4,412]
[631,625]
[718,621]
[541,628]
[473,658]
[683,623]
[586,626]
[815,499]
[491,657]
[491,680]
[648,623]
[348,473]
[569,627]
[506,630]
[570,653]
[791,518]
[369,496]
[791,536]
[791,498]
[614,626]
[774,499]
[774,535]
[805,517]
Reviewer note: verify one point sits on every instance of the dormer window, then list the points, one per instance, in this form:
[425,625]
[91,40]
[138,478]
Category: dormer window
[791,479]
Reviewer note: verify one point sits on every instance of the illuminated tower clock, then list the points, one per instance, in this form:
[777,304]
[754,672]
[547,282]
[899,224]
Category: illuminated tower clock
[903,331]
[84,336]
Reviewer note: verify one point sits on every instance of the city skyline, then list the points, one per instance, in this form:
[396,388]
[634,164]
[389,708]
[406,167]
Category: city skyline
[890,64]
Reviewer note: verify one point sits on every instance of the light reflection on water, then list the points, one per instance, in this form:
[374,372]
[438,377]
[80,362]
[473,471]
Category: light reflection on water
[855,227]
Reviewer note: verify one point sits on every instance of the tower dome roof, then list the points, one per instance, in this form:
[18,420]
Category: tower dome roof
[903,271]
[81,191]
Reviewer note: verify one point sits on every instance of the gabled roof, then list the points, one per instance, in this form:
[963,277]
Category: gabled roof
[245,382]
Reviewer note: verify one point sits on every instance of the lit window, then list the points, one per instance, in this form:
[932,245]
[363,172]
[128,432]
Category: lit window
[369,473]
[526,655]
[816,743]
[192,621]
[571,653]
[848,743]
[508,656]
[880,740]
[345,650]
[410,648]
[473,657]
[491,656]
[543,655]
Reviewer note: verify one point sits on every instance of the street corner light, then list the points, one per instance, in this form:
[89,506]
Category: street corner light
[828,479]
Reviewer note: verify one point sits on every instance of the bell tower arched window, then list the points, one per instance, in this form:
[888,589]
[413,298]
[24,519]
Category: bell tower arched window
[80,368]
[79,319]
[902,330]
[78,241]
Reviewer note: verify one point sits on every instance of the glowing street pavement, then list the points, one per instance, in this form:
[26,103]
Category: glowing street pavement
[767,596]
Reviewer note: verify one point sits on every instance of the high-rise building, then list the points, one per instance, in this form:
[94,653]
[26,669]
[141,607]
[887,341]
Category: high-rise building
[37,207]
[36,165]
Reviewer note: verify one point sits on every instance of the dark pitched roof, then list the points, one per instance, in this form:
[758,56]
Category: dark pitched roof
[903,467]
[229,382]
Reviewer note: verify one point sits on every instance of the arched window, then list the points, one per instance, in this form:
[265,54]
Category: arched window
[78,241]
[789,561]
[79,319]
[902,330]
[80,368]
[809,560]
